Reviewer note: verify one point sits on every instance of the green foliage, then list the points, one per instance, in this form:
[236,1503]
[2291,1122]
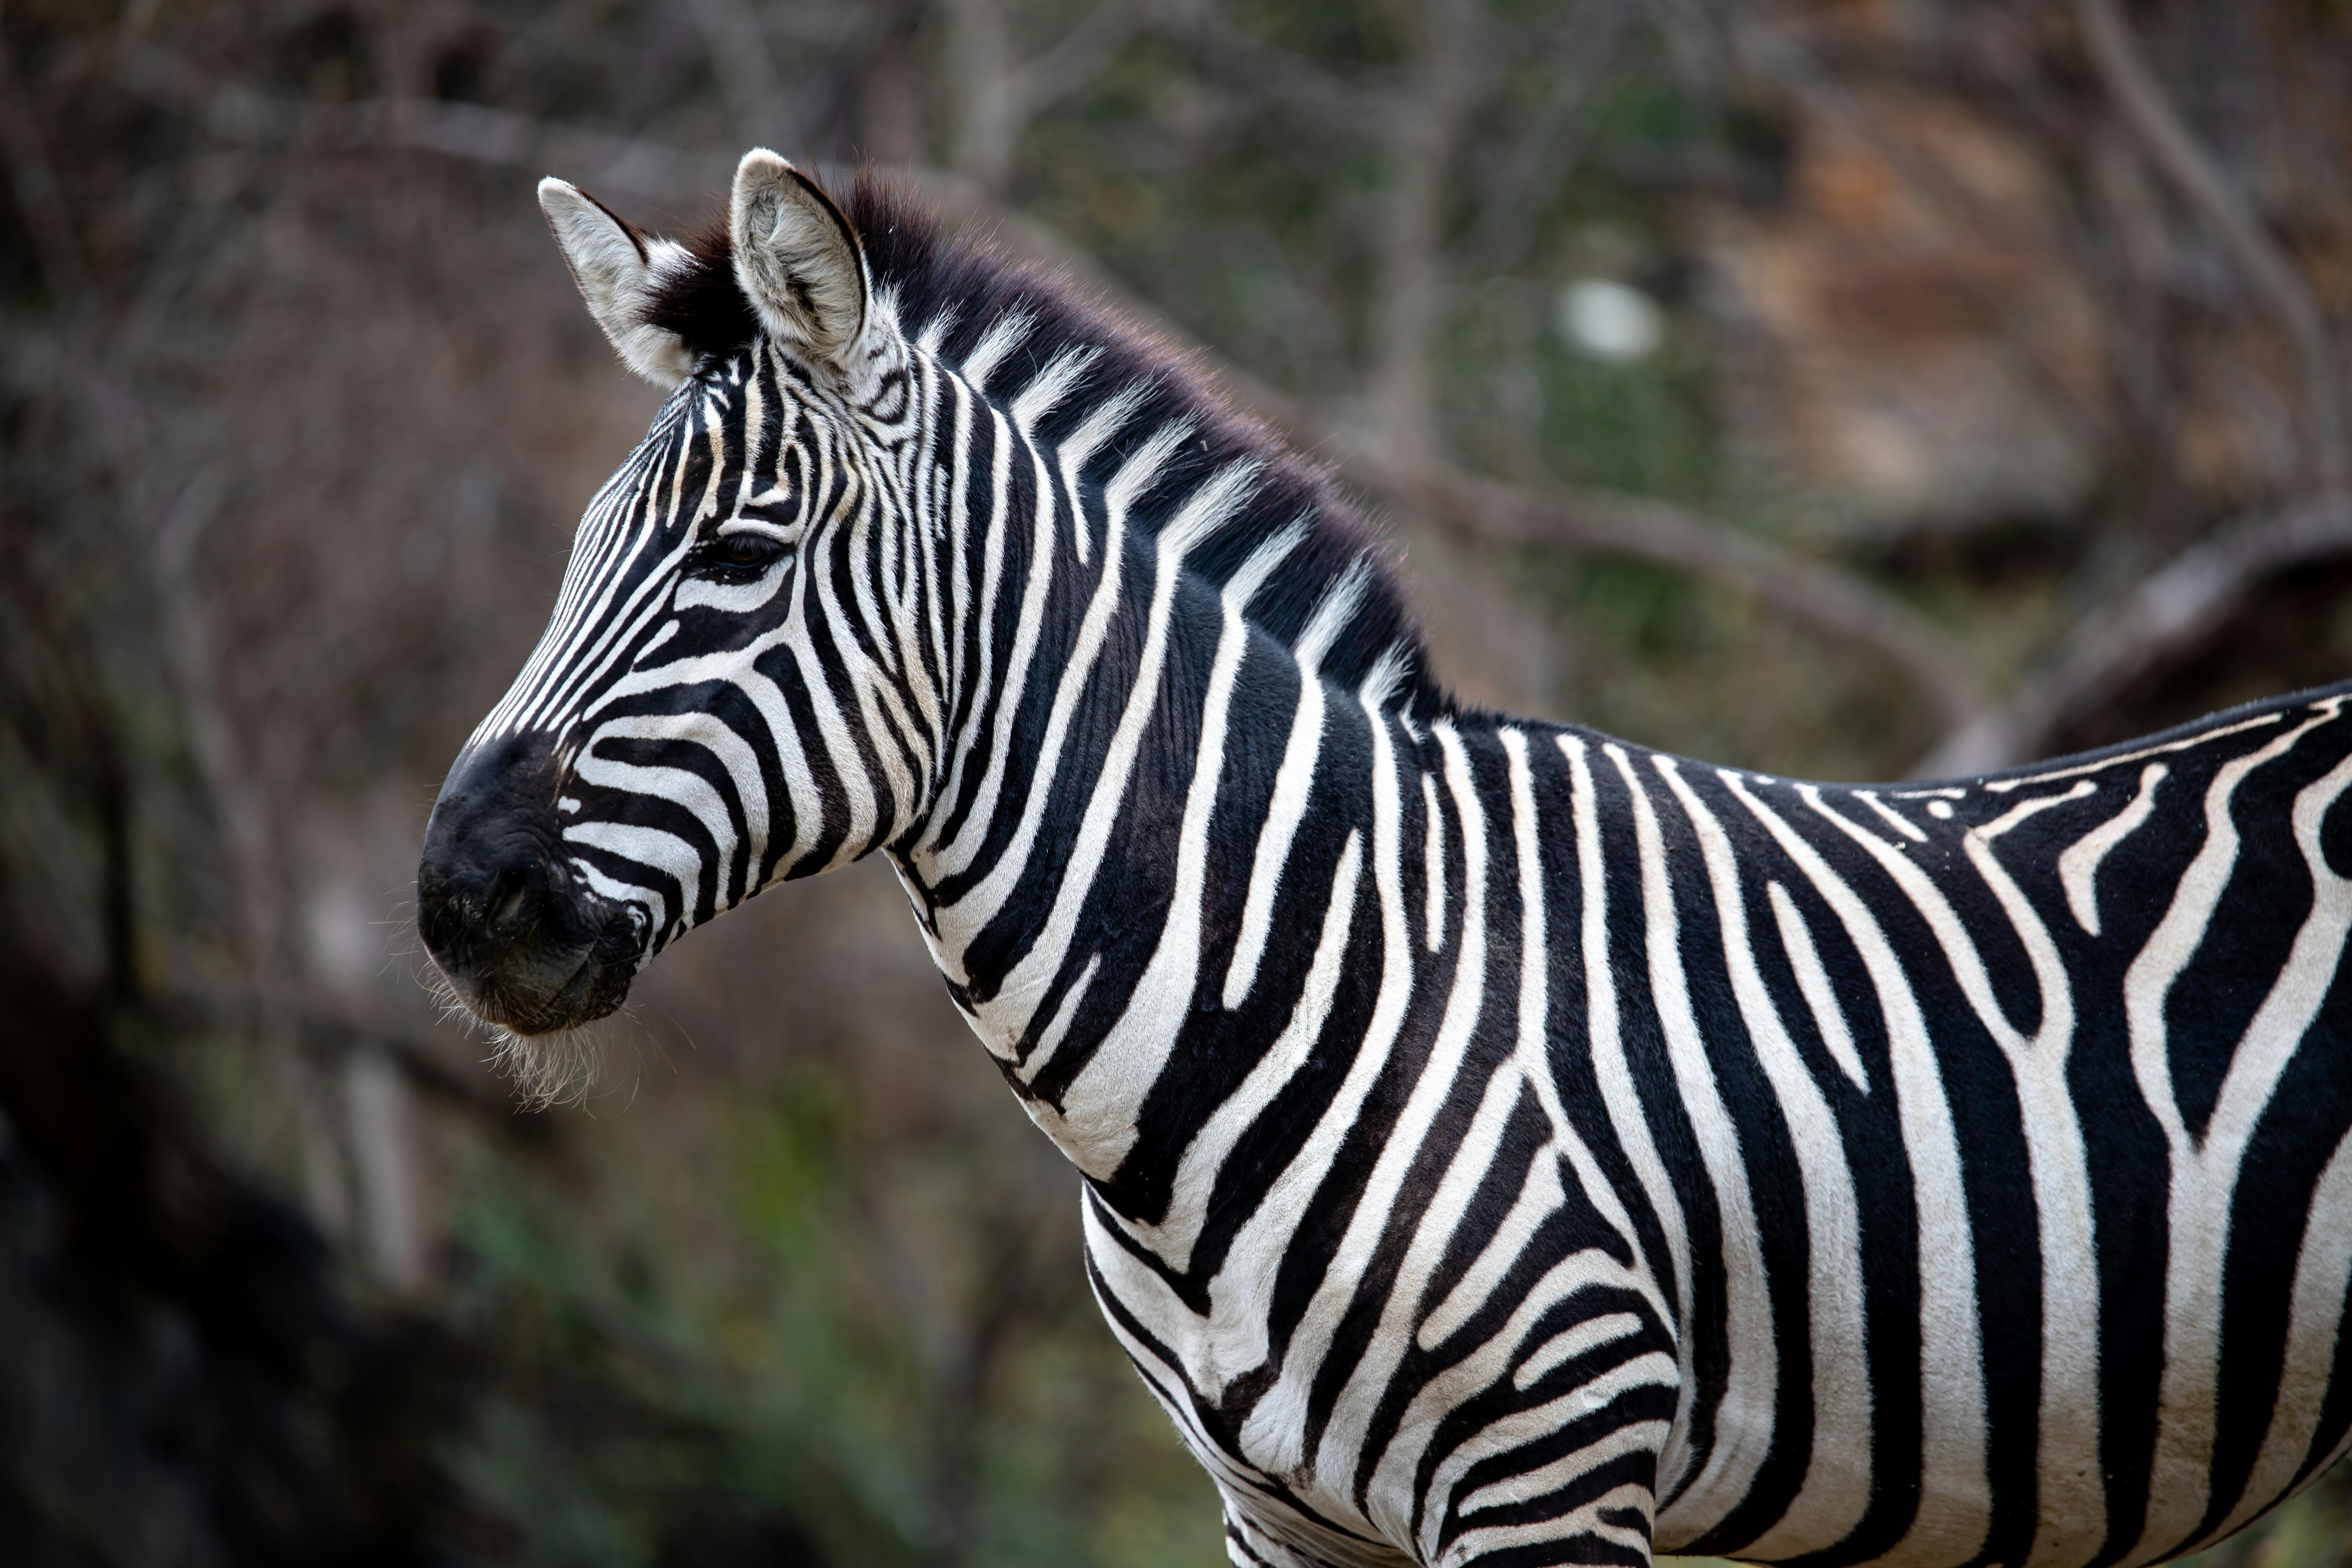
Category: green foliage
[724,1338]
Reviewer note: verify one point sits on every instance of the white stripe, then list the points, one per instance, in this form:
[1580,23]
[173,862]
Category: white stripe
[1432,850]
[1205,1157]
[979,904]
[984,618]
[1814,981]
[1236,1296]
[1001,340]
[958,854]
[1893,819]
[2205,1172]
[1614,1074]
[1569,1343]
[1109,1093]
[1079,449]
[705,730]
[2314,1327]
[1836,1488]
[2100,765]
[1093,1147]
[1954,1495]
[622,892]
[2071,1489]
[1744,1414]
[650,847]
[1335,1460]
[1293,781]
[2078,868]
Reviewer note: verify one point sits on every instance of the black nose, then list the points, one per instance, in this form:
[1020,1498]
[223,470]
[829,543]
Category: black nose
[498,905]
[484,876]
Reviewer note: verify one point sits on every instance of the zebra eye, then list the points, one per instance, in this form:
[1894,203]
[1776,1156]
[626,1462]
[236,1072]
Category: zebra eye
[739,555]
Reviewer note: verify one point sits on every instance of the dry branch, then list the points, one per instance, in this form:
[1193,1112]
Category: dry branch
[1838,602]
[2160,619]
[748,84]
[33,184]
[1835,602]
[598,160]
[2153,119]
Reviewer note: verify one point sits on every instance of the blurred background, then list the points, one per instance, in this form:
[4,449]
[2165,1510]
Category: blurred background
[1850,390]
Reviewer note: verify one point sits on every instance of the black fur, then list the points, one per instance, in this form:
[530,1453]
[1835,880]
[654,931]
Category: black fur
[703,304]
[972,286]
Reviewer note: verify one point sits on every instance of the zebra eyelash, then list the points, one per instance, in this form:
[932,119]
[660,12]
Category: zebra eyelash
[742,551]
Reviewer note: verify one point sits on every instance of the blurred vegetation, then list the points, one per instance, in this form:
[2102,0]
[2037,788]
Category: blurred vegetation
[1834,380]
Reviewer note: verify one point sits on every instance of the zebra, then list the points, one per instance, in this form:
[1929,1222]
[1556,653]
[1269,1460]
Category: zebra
[1501,1144]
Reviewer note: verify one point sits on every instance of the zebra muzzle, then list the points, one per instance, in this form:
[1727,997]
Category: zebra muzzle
[522,940]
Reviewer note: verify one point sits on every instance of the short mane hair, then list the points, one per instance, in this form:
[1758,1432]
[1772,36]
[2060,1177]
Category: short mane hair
[953,291]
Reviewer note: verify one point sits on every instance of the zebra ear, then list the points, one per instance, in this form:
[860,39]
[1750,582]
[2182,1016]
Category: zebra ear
[618,267]
[796,258]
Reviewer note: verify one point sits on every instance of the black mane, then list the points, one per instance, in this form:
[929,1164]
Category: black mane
[969,286]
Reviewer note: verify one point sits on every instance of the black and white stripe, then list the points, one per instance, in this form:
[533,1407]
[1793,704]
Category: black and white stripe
[1502,1144]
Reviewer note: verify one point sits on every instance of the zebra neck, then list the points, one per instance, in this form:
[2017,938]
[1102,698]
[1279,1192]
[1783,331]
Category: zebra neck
[1177,880]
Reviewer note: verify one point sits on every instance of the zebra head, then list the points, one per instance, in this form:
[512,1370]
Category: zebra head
[678,739]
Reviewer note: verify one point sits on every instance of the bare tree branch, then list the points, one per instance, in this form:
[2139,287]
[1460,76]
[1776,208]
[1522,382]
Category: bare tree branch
[1794,68]
[1052,76]
[1000,97]
[35,186]
[1536,166]
[1403,315]
[1831,600]
[2161,619]
[1351,107]
[599,160]
[1834,601]
[2154,120]
[756,106]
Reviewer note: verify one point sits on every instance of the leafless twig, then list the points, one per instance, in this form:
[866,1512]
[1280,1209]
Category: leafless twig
[2158,126]
[236,113]
[1831,600]
[1835,601]
[1001,96]
[35,184]
[1365,107]
[738,45]
[2165,614]
[1084,50]
[1543,157]
[1823,92]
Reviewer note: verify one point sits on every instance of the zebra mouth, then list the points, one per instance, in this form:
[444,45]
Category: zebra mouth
[533,988]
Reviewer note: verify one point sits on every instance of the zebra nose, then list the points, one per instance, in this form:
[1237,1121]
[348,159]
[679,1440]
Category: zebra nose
[521,937]
[491,887]
[484,885]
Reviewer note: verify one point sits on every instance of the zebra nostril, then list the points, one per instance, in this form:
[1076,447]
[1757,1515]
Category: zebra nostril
[508,903]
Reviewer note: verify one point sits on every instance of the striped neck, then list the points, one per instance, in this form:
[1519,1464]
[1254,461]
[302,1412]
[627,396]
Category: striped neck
[1136,762]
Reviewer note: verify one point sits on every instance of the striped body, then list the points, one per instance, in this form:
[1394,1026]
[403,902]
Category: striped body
[1501,1144]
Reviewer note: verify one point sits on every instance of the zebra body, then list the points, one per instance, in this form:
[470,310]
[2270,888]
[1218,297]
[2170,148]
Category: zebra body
[1502,1144]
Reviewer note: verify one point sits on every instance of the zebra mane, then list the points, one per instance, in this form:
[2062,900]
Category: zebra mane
[958,293]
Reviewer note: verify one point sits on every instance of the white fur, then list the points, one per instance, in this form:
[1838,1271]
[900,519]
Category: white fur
[797,260]
[618,271]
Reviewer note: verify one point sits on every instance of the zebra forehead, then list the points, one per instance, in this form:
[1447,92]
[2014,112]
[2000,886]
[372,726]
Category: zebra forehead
[1030,340]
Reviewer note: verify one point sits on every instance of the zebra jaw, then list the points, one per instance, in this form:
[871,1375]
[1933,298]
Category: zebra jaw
[524,942]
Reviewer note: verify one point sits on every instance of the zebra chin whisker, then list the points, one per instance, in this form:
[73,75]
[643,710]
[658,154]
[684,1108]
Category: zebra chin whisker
[562,1067]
